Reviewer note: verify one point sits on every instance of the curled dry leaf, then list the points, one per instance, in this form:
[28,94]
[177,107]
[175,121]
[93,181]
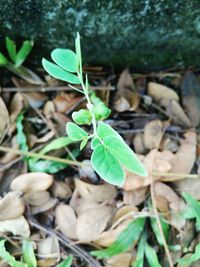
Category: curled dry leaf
[16,106]
[153,133]
[66,220]
[49,109]
[35,181]
[9,156]
[81,205]
[175,112]
[45,207]
[11,206]
[61,190]
[124,212]
[37,198]
[17,226]
[138,143]
[123,259]
[127,97]
[97,193]
[49,248]
[135,197]
[92,223]
[5,118]
[158,91]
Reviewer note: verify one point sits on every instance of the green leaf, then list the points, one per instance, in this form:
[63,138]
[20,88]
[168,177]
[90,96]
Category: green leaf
[21,137]
[56,144]
[104,130]
[66,59]
[48,166]
[194,204]
[165,228]
[101,111]
[139,262]
[23,52]
[3,60]
[194,257]
[107,166]
[28,253]
[122,152]
[151,256]
[5,255]
[124,241]
[67,262]
[83,143]
[82,117]
[11,47]
[78,52]
[95,142]
[74,132]
[59,73]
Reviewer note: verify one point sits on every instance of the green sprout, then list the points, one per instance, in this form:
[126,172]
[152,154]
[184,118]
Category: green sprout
[110,152]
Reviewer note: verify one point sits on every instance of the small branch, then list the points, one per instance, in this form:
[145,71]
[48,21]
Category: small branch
[166,176]
[40,156]
[160,226]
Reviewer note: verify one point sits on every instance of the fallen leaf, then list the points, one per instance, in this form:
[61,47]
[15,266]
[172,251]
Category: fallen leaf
[17,226]
[37,198]
[138,143]
[45,207]
[135,197]
[127,98]
[123,259]
[16,106]
[35,181]
[61,190]
[123,212]
[49,248]
[97,193]
[81,205]
[158,91]
[65,101]
[190,89]
[11,206]
[92,223]
[66,220]
[153,133]
[5,118]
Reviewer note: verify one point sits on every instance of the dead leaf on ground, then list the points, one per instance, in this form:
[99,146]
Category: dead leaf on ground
[190,90]
[37,198]
[92,223]
[64,102]
[5,118]
[127,98]
[17,226]
[35,181]
[153,133]
[125,212]
[66,220]
[123,259]
[11,206]
[51,203]
[9,156]
[97,193]
[81,205]
[158,91]
[138,143]
[16,106]
[61,190]
[135,197]
[49,248]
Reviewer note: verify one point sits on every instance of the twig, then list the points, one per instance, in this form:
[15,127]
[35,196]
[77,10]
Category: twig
[38,155]
[166,176]
[160,226]
[65,241]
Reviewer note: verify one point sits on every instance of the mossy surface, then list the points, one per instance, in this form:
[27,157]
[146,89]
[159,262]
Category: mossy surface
[144,34]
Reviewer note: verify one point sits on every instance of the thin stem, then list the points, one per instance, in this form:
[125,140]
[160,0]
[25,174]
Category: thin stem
[38,155]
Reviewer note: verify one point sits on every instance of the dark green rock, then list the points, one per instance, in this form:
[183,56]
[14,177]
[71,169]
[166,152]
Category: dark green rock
[144,34]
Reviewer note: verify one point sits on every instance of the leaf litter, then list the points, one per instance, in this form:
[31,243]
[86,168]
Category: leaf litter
[63,209]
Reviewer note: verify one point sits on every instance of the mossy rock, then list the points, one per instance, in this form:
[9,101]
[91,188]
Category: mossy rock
[144,34]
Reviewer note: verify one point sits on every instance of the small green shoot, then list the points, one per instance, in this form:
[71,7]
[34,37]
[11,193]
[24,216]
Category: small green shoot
[67,262]
[28,254]
[110,153]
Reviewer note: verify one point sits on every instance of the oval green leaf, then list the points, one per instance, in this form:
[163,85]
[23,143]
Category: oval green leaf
[82,117]
[122,152]
[104,130]
[74,132]
[59,73]
[107,166]
[151,256]
[28,253]
[66,59]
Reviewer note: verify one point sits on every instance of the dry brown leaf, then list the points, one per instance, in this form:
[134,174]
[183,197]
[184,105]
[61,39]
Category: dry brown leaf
[9,156]
[16,106]
[135,197]
[97,193]
[35,99]
[66,220]
[123,259]
[175,111]
[11,206]
[81,205]
[125,212]
[51,203]
[35,181]
[152,164]
[37,198]
[5,118]
[61,190]
[158,91]
[92,223]
[17,226]
[49,248]
[49,109]
[64,102]
[153,133]
[127,97]
[138,143]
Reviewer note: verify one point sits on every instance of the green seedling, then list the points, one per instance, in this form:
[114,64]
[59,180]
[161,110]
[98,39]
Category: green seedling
[110,152]
[17,58]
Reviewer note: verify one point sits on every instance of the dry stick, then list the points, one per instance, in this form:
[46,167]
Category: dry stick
[65,241]
[37,155]
[160,226]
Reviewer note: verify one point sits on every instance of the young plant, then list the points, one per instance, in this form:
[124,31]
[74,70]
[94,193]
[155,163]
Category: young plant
[110,152]
[16,59]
